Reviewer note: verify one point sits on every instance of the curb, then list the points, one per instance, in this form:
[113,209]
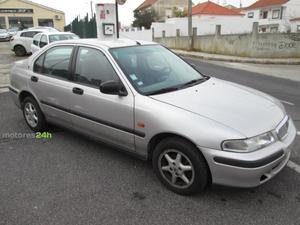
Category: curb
[239,60]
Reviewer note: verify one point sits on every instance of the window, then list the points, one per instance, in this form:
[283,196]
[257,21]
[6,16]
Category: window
[93,68]
[264,15]
[36,39]
[275,14]
[61,37]
[153,68]
[57,60]
[274,29]
[43,41]
[46,22]
[29,34]
[38,65]
[263,29]
[298,28]
[2,23]
[251,15]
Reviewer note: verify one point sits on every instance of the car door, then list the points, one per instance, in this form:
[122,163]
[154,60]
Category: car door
[35,43]
[49,81]
[26,38]
[107,117]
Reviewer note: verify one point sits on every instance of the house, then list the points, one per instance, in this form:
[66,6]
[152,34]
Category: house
[295,25]
[273,15]
[210,9]
[29,14]
[163,8]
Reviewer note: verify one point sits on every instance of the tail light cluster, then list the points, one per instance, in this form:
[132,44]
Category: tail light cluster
[12,38]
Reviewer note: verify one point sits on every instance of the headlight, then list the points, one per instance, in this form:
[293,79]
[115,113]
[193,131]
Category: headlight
[250,144]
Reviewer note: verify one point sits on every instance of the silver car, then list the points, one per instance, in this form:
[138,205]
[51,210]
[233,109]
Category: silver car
[144,99]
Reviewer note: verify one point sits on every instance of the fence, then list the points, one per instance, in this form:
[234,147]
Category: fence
[254,44]
[84,28]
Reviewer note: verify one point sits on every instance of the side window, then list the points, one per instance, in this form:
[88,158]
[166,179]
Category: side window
[93,68]
[43,41]
[57,61]
[29,34]
[38,64]
[36,39]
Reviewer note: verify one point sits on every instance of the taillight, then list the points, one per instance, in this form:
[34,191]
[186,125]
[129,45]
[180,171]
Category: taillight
[12,38]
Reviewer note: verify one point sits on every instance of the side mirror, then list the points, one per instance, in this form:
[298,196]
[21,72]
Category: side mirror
[113,88]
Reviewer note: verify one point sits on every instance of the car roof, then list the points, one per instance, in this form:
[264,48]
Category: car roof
[56,33]
[111,43]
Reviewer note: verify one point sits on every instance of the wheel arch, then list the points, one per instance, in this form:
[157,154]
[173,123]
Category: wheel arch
[161,136]
[23,95]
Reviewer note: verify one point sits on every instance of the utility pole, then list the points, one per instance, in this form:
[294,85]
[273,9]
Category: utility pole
[190,24]
[92,12]
[117,20]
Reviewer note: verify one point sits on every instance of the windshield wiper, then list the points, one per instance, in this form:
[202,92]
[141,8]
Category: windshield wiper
[164,90]
[194,82]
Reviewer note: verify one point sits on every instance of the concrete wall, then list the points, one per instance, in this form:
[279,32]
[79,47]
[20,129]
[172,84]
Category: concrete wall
[268,45]
[205,24]
[143,35]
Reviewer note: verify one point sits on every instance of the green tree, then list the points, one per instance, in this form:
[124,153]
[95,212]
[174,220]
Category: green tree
[144,18]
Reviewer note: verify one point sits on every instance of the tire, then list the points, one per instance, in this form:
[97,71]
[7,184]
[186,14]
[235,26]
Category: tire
[33,115]
[167,164]
[19,50]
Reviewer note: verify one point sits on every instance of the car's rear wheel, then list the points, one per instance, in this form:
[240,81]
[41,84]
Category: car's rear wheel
[33,115]
[180,166]
[19,50]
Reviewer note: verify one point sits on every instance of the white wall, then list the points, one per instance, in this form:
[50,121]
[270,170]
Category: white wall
[143,35]
[205,25]
[294,26]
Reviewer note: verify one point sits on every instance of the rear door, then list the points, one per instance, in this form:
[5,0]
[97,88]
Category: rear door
[50,83]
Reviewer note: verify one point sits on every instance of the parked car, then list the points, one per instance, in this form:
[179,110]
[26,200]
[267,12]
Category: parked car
[42,39]
[13,31]
[47,29]
[21,42]
[144,99]
[4,35]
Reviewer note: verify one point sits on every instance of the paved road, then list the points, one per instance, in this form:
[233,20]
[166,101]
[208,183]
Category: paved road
[70,179]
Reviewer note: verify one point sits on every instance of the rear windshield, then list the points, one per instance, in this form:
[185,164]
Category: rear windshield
[62,37]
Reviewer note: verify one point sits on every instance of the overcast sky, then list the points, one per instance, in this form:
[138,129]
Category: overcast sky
[72,8]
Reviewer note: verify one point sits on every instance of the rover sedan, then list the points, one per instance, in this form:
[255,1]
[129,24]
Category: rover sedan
[144,99]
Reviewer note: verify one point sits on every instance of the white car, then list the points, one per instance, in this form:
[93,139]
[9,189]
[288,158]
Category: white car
[42,39]
[21,42]
[4,35]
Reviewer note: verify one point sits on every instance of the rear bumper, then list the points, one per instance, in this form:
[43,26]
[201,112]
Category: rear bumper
[250,169]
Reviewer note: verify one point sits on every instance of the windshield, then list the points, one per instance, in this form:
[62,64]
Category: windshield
[62,37]
[153,69]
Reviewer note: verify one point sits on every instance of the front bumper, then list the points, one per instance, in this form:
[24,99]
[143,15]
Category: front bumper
[250,169]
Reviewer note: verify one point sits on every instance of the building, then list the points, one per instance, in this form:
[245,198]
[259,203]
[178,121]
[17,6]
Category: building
[163,8]
[16,13]
[295,25]
[210,9]
[273,15]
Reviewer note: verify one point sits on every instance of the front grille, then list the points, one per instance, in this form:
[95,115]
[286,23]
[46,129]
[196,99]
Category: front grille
[282,130]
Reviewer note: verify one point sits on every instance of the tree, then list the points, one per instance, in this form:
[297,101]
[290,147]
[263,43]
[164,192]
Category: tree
[144,18]
[179,12]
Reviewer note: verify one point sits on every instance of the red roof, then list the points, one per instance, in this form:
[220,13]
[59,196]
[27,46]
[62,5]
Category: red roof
[210,8]
[146,4]
[295,19]
[265,3]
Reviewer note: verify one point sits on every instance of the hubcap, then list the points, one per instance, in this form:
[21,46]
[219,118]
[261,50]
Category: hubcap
[31,114]
[176,168]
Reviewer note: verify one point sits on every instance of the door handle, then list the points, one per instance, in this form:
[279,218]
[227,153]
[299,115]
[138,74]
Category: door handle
[34,79]
[78,91]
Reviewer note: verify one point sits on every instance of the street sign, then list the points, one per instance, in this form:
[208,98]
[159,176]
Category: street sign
[121,2]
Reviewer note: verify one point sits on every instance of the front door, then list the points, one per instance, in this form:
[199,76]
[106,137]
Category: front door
[107,117]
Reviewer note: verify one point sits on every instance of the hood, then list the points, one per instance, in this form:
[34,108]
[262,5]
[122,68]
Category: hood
[246,110]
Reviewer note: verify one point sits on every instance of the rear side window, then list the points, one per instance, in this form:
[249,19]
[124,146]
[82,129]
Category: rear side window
[55,62]
[29,34]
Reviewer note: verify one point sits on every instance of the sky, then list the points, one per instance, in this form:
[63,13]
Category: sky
[73,8]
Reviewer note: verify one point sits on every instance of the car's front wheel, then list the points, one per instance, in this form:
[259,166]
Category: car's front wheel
[33,115]
[180,166]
